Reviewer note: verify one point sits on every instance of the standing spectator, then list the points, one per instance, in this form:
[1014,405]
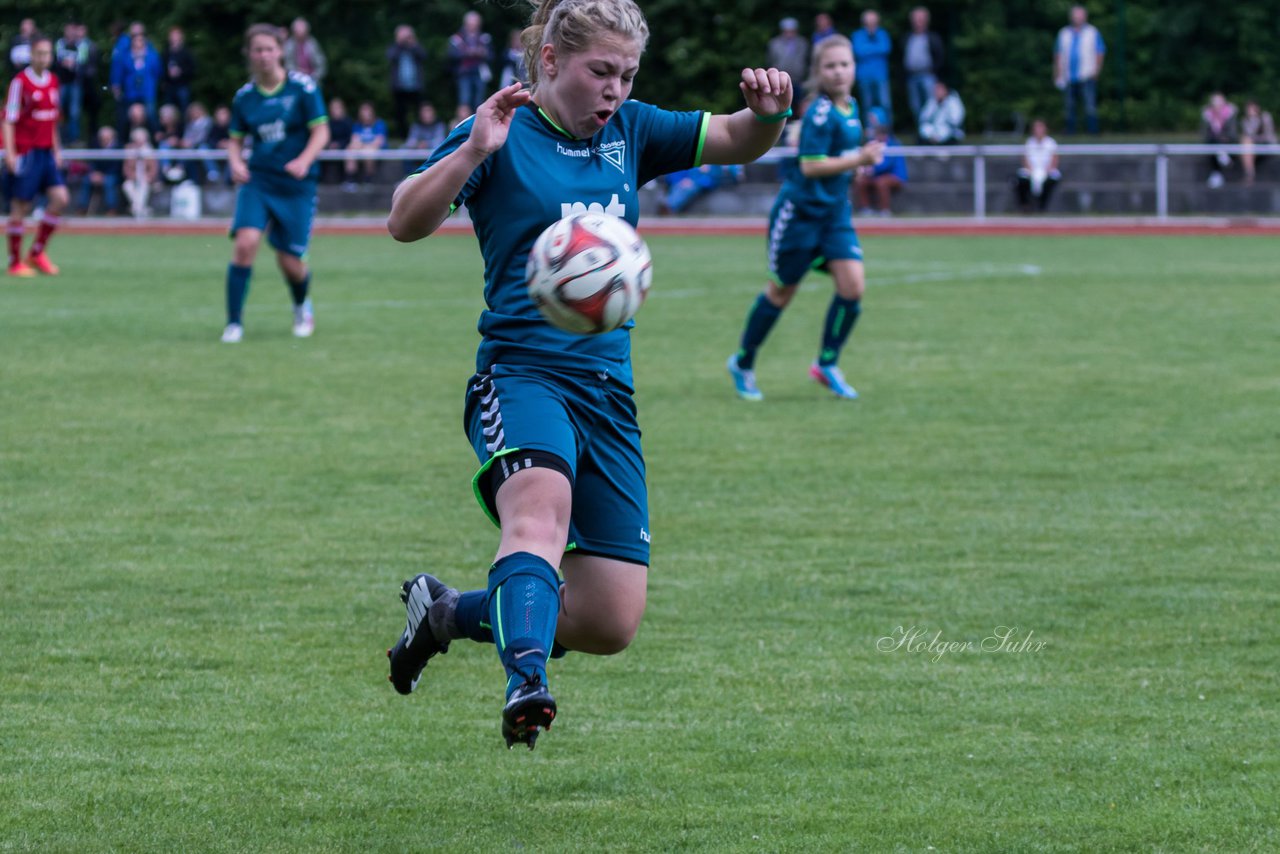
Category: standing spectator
[103,176]
[368,134]
[871,46]
[922,58]
[470,53]
[1256,128]
[406,58]
[885,178]
[340,130]
[67,58]
[33,156]
[303,53]
[20,45]
[179,70]
[1077,62]
[823,26]
[513,67]
[788,51]
[135,79]
[1220,122]
[942,117]
[1039,173]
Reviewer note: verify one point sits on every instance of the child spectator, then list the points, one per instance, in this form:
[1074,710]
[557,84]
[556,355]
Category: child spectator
[168,137]
[1220,125]
[218,139]
[140,170]
[368,134]
[886,177]
[102,176]
[942,117]
[1256,128]
[340,130]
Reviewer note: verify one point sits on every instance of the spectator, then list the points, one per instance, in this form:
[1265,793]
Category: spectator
[140,171]
[871,46]
[885,178]
[102,176]
[427,132]
[218,139]
[1220,123]
[942,118]
[87,77]
[340,130]
[922,58]
[135,78]
[823,26]
[1256,128]
[168,137]
[470,54]
[179,70]
[788,51]
[302,52]
[1039,173]
[136,117]
[195,137]
[513,67]
[1077,62]
[406,58]
[20,45]
[368,134]
[67,58]
[689,184]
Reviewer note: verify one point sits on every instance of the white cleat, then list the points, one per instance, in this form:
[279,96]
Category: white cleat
[232,334]
[304,322]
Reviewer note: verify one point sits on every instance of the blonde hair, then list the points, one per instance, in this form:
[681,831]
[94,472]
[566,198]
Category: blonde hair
[570,26]
[268,30]
[814,84]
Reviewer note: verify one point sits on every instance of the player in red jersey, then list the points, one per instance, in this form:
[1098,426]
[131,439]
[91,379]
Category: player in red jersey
[33,156]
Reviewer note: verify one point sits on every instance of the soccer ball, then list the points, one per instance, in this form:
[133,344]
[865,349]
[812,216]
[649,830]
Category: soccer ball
[588,273]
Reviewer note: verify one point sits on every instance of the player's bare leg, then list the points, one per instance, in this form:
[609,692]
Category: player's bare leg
[601,603]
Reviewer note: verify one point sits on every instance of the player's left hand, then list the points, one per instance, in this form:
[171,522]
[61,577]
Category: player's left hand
[297,168]
[767,91]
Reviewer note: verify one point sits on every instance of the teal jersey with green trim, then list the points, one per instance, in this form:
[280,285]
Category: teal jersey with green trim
[541,175]
[278,124]
[827,131]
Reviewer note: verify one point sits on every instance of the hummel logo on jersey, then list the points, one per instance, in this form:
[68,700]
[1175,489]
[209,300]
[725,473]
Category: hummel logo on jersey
[573,152]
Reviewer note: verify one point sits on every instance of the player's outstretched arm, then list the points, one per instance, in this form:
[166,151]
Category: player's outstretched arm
[745,135]
[422,201]
[871,154]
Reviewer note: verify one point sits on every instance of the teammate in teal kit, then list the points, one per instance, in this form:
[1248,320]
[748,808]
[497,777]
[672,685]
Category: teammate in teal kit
[811,224]
[551,414]
[283,113]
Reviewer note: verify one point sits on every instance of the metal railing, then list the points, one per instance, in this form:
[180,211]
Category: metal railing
[1160,154]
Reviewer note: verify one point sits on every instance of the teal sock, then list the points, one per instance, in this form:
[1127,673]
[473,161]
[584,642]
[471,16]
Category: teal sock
[237,290]
[842,314]
[760,321]
[524,603]
[471,615]
[299,289]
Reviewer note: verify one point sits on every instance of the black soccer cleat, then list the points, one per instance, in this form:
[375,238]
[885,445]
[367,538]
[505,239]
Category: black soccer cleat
[530,708]
[417,645]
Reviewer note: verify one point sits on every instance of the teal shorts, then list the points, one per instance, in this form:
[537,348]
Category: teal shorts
[800,240]
[515,415]
[286,216]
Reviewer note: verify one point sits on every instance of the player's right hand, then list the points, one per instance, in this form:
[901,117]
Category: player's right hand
[493,118]
[239,173]
[875,151]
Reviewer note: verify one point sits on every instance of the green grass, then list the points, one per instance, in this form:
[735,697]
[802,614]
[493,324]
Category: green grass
[200,547]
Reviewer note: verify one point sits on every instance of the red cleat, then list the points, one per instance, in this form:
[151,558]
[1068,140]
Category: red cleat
[41,262]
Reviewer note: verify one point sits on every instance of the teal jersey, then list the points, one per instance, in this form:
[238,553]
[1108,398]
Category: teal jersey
[541,175]
[827,131]
[278,125]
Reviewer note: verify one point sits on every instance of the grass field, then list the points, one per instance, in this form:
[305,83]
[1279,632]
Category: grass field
[201,545]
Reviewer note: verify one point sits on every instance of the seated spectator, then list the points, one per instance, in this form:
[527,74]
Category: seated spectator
[886,178]
[1256,128]
[340,130]
[685,186]
[140,171]
[195,137]
[426,133]
[942,117]
[102,176]
[1039,172]
[1220,125]
[136,117]
[218,139]
[368,134]
[168,137]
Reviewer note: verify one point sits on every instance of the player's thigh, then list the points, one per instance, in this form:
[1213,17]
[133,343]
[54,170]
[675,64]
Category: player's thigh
[291,217]
[603,602]
[251,210]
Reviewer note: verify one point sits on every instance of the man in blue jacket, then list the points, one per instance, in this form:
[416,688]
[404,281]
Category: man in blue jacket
[871,46]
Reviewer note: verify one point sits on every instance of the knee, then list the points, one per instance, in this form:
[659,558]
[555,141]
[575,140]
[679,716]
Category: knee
[614,632]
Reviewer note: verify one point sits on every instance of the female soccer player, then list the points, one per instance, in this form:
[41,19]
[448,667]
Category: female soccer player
[550,414]
[284,114]
[811,223]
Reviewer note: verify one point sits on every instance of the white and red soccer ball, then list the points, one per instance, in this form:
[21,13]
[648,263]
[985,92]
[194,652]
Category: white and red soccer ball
[589,273]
